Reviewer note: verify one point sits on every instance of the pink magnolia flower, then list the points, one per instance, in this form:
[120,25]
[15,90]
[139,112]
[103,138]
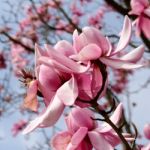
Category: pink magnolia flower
[147,131]
[67,73]
[18,127]
[141,8]
[92,45]
[62,81]
[84,133]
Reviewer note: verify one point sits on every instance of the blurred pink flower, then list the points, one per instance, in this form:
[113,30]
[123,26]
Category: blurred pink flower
[147,131]
[84,133]
[120,80]
[96,20]
[92,45]
[75,10]
[141,8]
[18,61]
[18,127]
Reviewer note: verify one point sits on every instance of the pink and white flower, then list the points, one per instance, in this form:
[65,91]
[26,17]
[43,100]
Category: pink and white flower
[141,8]
[61,81]
[92,45]
[84,133]
[65,73]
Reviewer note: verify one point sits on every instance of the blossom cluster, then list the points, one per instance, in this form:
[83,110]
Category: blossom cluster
[75,74]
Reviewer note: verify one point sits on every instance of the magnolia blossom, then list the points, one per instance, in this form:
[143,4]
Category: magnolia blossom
[62,81]
[92,45]
[141,8]
[67,74]
[84,133]
[147,131]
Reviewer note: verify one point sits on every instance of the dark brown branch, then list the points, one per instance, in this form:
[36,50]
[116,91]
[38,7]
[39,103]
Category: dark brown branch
[29,49]
[119,8]
[45,22]
[111,95]
[116,129]
[66,16]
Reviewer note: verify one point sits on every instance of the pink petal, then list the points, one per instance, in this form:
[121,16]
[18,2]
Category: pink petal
[38,53]
[147,131]
[138,26]
[84,85]
[96,80]
[65,61]
[115,118]
[77,119]
[110,47]
[144,24]
[147,147]
[54,64]
[49,117]
[89,52]
[94,36]
[112,138]
[98,141]
[120,64]
[125,35]
[137,7]
[147,11]
[79,41]
[68,92]
[55,55]
[77,138]
[61,140]
[64,47]
[135,55]
[49,81]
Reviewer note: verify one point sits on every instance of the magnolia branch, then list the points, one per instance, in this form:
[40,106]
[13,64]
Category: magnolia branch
[66,16]
[17,42]
[45,22]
